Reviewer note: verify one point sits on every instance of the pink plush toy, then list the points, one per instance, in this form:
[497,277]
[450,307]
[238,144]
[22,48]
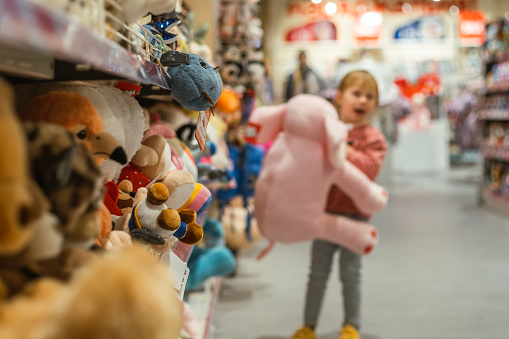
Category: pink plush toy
[308,157]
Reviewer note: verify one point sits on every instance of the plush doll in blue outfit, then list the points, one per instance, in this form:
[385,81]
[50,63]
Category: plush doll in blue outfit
[210,258]
[194,83]
[247,159]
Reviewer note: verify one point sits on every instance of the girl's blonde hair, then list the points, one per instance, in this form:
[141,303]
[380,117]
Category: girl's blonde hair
[359,77]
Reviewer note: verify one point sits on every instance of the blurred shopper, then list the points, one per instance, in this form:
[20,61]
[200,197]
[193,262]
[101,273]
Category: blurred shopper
[303,79]
[357,98]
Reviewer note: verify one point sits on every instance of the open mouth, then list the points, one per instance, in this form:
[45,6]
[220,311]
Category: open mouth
[359,111]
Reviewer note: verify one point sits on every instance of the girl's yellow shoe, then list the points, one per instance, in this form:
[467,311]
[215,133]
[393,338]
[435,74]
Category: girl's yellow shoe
[349,332]
[304,333]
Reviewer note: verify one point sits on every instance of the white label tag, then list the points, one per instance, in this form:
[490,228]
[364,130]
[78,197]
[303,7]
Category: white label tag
[180,273]
[201,129]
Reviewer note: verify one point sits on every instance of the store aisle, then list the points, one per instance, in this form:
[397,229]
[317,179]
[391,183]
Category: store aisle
[441,270]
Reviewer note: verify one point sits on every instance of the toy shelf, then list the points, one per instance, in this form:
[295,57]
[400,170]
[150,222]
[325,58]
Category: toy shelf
[494,114]
[494,200]
[493,152]
[34,29]
[497,88]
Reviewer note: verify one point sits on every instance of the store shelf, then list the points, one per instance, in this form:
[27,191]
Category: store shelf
[495,200]
[493,152]
[33,28]
[497,88]
[494,114]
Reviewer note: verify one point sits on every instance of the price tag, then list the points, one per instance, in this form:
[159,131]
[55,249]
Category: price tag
[180,273]
[201,129]
[128,88]
[251,133]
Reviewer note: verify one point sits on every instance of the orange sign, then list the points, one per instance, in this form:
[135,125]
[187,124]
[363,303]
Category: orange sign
[471,27]
[367,27]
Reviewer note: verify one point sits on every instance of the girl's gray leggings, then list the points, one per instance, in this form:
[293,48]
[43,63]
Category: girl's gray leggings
[349,275]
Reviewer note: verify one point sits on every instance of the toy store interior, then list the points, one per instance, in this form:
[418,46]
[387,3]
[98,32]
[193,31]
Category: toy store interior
[151,216]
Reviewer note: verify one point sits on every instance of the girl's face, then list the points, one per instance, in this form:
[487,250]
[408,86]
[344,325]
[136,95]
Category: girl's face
[357,102]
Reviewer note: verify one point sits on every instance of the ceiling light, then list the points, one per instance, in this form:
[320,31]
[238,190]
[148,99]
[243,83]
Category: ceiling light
[436,0]
[407,8]
[316,1]
[331,8]
[372,19]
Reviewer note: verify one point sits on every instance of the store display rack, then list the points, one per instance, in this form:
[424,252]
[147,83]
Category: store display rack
[494,114]
[497,153]
[31,33]
[501,203]
[492,153]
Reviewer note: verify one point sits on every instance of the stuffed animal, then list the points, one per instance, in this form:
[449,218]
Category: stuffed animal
[181,156]
[306,159]
[181,186]
[240,226]
[14,179]
[210,258]
[28,232]
[68,176]
[121,115]
[77,114]
[123,294]
[199,201]
[126,196]
[153,215]
[196,86]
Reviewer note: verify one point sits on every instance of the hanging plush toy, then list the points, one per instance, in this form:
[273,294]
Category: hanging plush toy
[194,83]
[306,159]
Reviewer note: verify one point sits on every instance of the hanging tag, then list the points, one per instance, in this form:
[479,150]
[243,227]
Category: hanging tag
[251,133]
[128,88]
[201,129]
[180,273]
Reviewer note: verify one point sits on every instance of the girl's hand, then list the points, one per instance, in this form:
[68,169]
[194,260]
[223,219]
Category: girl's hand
[348,148]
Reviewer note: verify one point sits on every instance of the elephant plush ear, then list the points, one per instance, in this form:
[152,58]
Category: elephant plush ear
[265,123]
[335,135]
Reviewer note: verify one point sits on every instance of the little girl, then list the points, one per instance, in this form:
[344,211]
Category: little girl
[357,98]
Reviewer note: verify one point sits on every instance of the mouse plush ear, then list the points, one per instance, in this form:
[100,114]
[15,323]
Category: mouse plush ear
[335,135]
[265,123]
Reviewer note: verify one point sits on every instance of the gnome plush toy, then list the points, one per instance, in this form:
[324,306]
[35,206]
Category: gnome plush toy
[194,83]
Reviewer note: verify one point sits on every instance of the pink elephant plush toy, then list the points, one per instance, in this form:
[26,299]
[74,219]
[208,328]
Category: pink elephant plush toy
[307,157]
